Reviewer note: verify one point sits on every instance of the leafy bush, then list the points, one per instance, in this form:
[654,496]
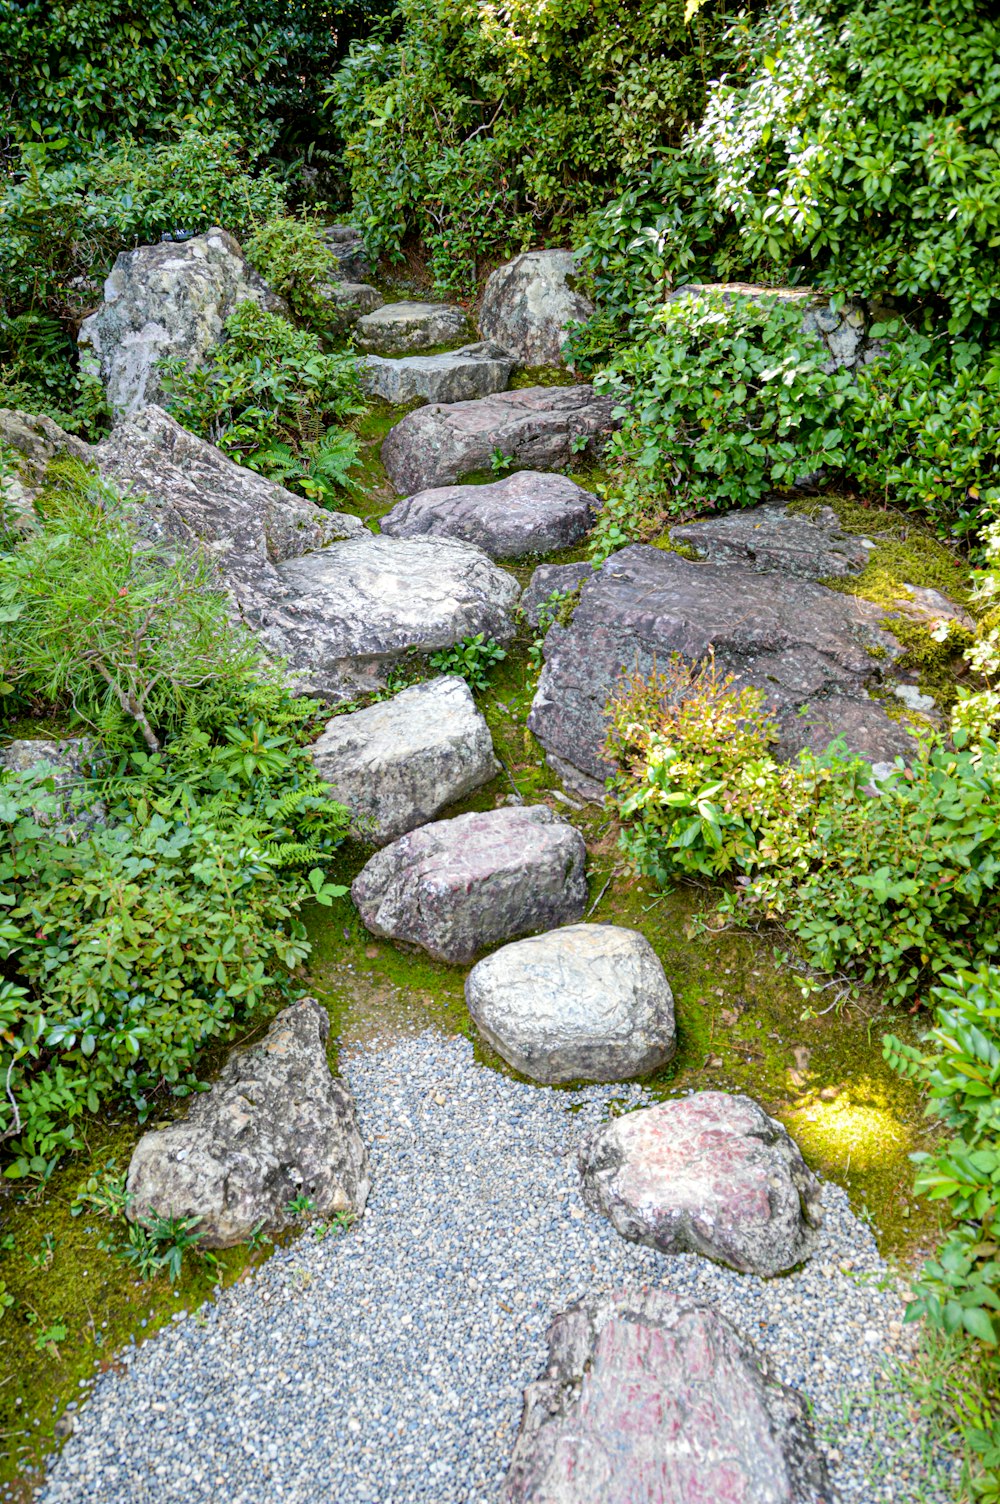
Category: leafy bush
[38,374]
[472,659]
[295,262]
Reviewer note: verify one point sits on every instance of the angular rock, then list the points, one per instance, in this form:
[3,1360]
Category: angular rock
[529,512]
[810,649]
[276,1125]
[402,328]
[353,262]
[709,1174]
[165,300]
[437,445]
[528,303]
[588,1002]
[31,443]
[771,537]
[843,331]
[456,376]
[346,302]
[549,580]
[397,764]
[651,1398]
[458,886]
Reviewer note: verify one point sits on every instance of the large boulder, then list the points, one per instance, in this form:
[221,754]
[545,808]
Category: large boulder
[528,303]
[397,764]
[165,300]
[530,512]
[456,376]
[459,886]
[771,537]
[810,649]
[539,427]
[588,1002]
[843,331]
[651,1398]
[275,1126]
[402,328]
[709,1174]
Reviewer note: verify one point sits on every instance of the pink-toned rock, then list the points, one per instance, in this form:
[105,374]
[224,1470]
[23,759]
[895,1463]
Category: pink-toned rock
[709,1174]
[651,1399]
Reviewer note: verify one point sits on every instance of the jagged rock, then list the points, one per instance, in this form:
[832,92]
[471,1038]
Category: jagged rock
[437,445]
[588,1002]
[843,331]
[651,1398]
[810,649]
[528,303]
[167,299]
[402,328]
[528,513]
[399,763]
[458,886]
[456,376]
[709,1174]
[549,580]
[771,537]
[31,443]
[276,1125]
[346,302]
[353,262]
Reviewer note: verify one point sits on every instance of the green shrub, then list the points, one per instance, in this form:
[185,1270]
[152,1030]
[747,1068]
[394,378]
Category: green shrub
[294,261]
[473,659]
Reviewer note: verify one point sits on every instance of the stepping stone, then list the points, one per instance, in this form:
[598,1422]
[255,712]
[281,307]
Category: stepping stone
[354,609]
[773,538]
[588,1002]
[275,1125]
[530,512]
[810,649]
[528,303]
[458,886]
[347,301]
[401,328]
[398,764]
[709,1174]
[456,376]
[549,580]
[652,1398]
[537,427]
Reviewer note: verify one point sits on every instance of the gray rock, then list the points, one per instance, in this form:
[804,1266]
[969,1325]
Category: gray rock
[167,299]
[709,1174]
[276,1125]
[31,444]
[353,261]
[437,445]
[843,331]
[549,580]
[399,763]
[588,1002]
[528,513]
[67,762]
[651,1398]
[346,302]
[771,537]
[808,648]
[458,886]
[401,328]
[528,303]
[456,376]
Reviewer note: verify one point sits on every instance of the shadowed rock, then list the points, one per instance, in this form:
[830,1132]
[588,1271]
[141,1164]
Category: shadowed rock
[528,303]
[528,513]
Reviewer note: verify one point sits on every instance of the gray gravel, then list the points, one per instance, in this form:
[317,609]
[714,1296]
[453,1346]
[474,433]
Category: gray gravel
[386,1364]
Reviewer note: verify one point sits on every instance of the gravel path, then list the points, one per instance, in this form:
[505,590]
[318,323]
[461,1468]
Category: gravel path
[387,1364]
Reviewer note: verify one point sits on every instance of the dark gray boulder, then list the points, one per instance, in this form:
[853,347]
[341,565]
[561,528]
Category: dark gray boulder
[348,248]
[651,1398]
[771,537]
[549,580]
[528,303]
[528,513]
[403,328]
[459,375]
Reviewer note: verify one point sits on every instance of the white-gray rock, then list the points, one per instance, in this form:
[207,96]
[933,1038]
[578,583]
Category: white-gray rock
[528,302]
[530,512]
[455,376]
[275,1126]
[401,328]
[588,1002]
[458,886]
[399,763]
[160,300]
[31,443]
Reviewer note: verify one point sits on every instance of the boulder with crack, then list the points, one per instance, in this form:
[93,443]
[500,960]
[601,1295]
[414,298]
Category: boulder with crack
[459,375]
[530,512]
[528,303]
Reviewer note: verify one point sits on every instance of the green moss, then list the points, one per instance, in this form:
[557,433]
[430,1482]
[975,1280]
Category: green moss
[541,376]
[904,554]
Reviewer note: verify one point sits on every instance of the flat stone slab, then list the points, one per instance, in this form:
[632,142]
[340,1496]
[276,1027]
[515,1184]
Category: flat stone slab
[402,328]
[810,649]
[773,538]
[397,764]
[276,1125]
[456,376]
[709,1174]
[528,303]
[527,513]
[589,1002]
[536,427]
[651,1398]
[459,886]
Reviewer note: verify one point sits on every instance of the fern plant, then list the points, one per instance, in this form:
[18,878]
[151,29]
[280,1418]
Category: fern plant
[318,471]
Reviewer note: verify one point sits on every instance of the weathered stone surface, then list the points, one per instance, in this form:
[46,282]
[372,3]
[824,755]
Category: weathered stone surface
[529,512]
[587,1002]
[399,763]
[275,1125]
[709,1174]
[528,303]
[549,580]
[649,1398]
[437,445]
[31,443]
[346,302]
[771,537]
[402,328]
[810,649]
[456,376]
[168,299]
[843,331]
[67,763]
[353,261]
[458,886]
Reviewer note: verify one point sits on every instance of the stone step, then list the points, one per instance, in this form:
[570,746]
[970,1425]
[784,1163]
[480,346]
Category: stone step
[456,376]
[402,328]
[530,512]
